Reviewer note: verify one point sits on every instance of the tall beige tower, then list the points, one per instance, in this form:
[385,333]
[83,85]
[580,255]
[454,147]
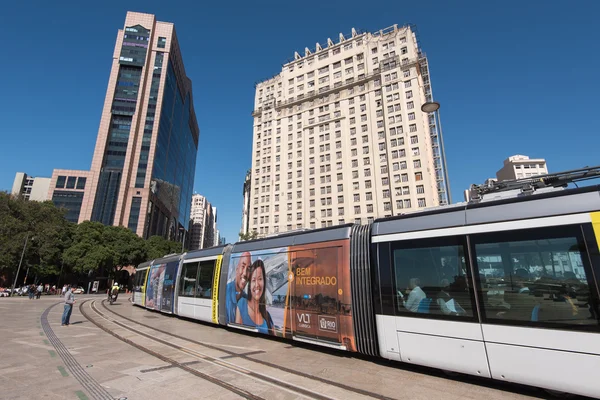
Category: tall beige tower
[339,135]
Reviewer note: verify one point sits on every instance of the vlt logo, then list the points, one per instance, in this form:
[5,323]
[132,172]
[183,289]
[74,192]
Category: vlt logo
[303,320]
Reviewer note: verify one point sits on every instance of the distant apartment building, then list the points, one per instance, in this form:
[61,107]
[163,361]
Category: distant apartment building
[519,166]
[145,157]
[339,135]
[515,167]
[30,188]
[246,194]
[204,232]
[210,228]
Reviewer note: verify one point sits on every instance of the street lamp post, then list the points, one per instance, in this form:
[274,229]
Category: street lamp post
[62,265]
[434,107]
[12,292]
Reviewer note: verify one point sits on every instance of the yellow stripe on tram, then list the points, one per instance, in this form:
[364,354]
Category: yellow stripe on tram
[144,287]
[215,291]
[596,225]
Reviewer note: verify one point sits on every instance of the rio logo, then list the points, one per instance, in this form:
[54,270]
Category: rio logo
[328,324]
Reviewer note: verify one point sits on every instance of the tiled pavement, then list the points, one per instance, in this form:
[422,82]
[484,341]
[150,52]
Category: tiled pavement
[44,360]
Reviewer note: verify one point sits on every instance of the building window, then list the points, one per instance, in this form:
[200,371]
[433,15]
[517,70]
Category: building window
[162,42]
[81,183]
[71,180]
[60,181]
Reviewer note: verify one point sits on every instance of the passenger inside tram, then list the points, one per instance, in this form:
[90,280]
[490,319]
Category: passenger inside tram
[415,295]
[448,305]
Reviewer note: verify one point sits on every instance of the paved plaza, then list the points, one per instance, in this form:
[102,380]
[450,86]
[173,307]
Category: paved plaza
[42,359]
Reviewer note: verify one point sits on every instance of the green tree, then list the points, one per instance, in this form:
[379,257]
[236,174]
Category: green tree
[248,236]
[52,235]
[111,248]
[157,247]
[13,230]
[44,226]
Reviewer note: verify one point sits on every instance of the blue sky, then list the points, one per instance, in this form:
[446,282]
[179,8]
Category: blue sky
[513,77]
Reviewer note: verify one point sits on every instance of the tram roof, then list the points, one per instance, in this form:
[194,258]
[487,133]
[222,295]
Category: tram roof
[209,252]
[338,232]
[585,199]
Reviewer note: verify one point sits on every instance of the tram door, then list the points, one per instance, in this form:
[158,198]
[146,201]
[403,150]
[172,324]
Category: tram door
[314,296]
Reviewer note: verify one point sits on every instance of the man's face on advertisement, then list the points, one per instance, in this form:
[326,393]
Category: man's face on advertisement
[241,273]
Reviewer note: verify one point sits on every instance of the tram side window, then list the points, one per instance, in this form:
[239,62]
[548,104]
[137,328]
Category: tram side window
[189,275]
[142,279]
[139,280]
[537,276]
[205,279]
[431,277]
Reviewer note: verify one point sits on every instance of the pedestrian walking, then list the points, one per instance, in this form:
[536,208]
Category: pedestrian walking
[40,289]
[31,291]
[64,290]
[69,302]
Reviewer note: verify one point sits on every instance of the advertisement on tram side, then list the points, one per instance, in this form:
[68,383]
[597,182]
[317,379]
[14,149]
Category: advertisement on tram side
[153,285]
[168,287]
[302,291]
[257,287]
[160,286]
[320,298]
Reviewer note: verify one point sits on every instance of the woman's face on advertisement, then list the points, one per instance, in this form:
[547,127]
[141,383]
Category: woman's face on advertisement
[257,284]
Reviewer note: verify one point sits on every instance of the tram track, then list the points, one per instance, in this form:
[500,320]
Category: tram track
[232,388]
[256,360]
[201,356]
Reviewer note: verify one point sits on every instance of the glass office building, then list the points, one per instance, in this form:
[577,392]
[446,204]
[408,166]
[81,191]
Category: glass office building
[143,166]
